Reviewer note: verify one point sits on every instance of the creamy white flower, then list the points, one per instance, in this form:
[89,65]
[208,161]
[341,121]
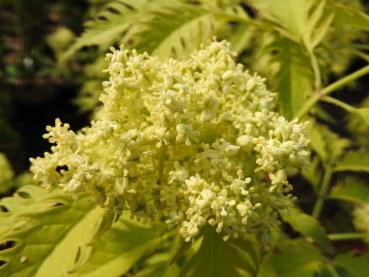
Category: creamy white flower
[194,141]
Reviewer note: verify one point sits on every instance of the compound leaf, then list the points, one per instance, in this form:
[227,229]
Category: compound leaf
[118,249]
[306,225]
[44,231]
[354,161]
[295,77]
[351,189]
[217,258]
[356,265]
[292,259]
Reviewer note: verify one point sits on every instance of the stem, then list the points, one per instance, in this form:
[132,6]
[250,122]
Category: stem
[346,236]
[316,70]
[322,192]
[339,103]
[345,80]
[332,271]
[332,87]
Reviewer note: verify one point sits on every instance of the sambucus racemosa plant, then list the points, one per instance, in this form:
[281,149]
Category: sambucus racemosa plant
[183,171]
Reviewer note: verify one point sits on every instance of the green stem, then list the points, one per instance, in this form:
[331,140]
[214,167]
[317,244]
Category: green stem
[332,271]
[316,70]
[331,88]
[322,192]
[339,103]
[346,236]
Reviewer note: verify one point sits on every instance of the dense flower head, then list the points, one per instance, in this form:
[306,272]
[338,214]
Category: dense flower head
[193,142]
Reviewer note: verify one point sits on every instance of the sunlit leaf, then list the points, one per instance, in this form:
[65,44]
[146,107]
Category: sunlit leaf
[357,265]
[176,36]
[158,266]
[118,249]
[292,259]
[44,226]
[313,173]
[294,78]
[364,114]
[304,22]
[305,224]
[355,161]
[350,16]
[218,258]
[351,189]
[327,144]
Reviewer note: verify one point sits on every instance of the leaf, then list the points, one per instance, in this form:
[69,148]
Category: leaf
[114,22]
[305,224]
[119,249]
[41,227]
[304,22]
[328,145]
[293,258]
[364,114]
[354,161]
[349,16]
[241,38]
[166,28]
[357,265]
[351,189]
[157,266]
[295,77]
[176,36]
[218,258]
[313,173]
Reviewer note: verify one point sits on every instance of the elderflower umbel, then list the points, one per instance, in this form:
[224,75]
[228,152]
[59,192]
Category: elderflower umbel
[193,141]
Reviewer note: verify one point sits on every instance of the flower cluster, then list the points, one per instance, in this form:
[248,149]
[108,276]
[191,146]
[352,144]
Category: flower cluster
[192,141]
[361,220]
[6,173]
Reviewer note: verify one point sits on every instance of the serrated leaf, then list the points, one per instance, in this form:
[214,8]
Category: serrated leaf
[45,226]
[306,225]
[241,37]
[364,114]
[317,140]
[313,173]
[351,189]
[292,259]
[294,78]
[355,264]
[157,266]
[112,23]
[152,26]
[119,248]
[218,258]
[176,36]
[354,161]
[350,16]
[327,144]
[304,22]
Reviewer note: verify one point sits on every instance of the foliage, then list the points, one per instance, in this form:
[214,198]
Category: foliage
[312,53]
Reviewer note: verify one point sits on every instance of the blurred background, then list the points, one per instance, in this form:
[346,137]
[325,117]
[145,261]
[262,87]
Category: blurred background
[34,89]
